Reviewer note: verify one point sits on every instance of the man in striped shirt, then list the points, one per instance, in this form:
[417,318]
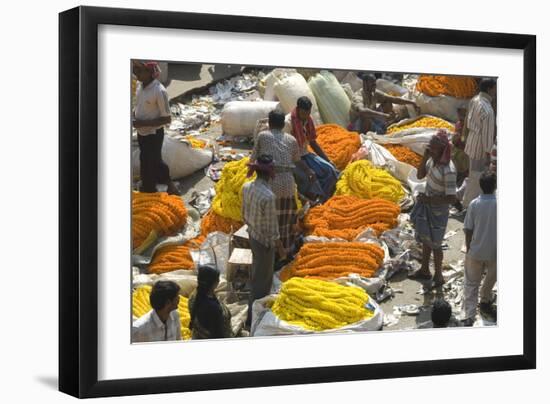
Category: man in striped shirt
[480,136]
[260,214]
[431,210]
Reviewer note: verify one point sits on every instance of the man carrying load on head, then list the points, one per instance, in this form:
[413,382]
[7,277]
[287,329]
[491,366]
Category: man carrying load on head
[318,181]
[431,210]
[365,115]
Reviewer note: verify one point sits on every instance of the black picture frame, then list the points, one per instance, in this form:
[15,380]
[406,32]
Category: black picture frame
[78,195]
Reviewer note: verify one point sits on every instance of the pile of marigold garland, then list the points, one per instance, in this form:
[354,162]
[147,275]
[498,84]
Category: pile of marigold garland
[346,216]
[212,222]
[319,305]
[174,257]
[363,180]
[334,260]
[228,200]
[141,305]
[404,154]
[455,86]
[229,190]
[338,143]
[424,122]
[154,215]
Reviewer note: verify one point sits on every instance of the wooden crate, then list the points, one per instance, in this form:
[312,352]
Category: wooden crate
[239,261]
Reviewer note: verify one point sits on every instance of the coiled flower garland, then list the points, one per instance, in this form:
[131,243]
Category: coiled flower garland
[319,305]
[156,213]
[425,122]
[338,143]
[455,86]
[346,216]
[141,306]
[334,260]
[404,154]
[363,180]
[229,190]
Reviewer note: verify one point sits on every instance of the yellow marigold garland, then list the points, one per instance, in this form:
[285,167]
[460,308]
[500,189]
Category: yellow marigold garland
[404,154]
[319,305]
[141,306]
[455,86]
[157,212]
[345,216]
[425,122]
[363,180]
[229,190]
[338,143]
[334,260]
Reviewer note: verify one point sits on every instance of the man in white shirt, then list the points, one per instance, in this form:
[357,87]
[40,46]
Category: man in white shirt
[162,323]
[480,228]
[480,136]
[151,113]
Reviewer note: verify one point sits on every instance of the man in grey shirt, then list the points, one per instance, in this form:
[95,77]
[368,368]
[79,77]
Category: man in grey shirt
[480,228]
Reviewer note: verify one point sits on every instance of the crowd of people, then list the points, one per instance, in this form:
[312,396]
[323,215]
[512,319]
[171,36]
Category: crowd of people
[460,172]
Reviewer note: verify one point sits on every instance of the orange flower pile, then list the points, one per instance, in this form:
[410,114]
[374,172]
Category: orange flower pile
[459,87]
[334,260]
[173,257]
[338,143]
[404,154]
[212,222]
[345,216]
[157,212]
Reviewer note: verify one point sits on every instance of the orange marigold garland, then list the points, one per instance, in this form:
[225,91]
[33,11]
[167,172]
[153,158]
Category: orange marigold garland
[156,212]
[212,222]
[338,143]
[174,257]
[334,260]
[404,154]
[345,216]
[455,86]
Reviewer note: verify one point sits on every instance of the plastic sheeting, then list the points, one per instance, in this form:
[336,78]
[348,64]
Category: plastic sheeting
[334,104]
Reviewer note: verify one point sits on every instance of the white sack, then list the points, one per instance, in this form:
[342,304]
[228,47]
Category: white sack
[238,118]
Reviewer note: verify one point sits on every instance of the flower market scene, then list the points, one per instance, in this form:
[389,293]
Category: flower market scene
[289,201]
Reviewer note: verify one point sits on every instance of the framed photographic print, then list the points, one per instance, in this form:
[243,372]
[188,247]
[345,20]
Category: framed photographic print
[251,201]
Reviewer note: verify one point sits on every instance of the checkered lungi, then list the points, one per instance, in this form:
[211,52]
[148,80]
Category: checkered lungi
[287,218]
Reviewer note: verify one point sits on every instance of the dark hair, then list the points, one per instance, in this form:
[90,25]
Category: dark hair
[162,293]
[304,103]
[488,182]
[264,159]
[205,310]
[276,119]
[366,76]
[486,84]
[441,313]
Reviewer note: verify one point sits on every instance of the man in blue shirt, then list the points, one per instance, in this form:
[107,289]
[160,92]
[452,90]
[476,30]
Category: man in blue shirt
[480,228]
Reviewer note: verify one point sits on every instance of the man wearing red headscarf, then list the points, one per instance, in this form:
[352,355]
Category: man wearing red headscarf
[431,210]
[151,113]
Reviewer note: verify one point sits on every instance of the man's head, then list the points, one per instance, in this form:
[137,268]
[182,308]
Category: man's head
[441,313]
[263,167]
[488,86]
[369,82]
[145,72]
[276,120]
[165,296]
[488,182]
[303,107]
